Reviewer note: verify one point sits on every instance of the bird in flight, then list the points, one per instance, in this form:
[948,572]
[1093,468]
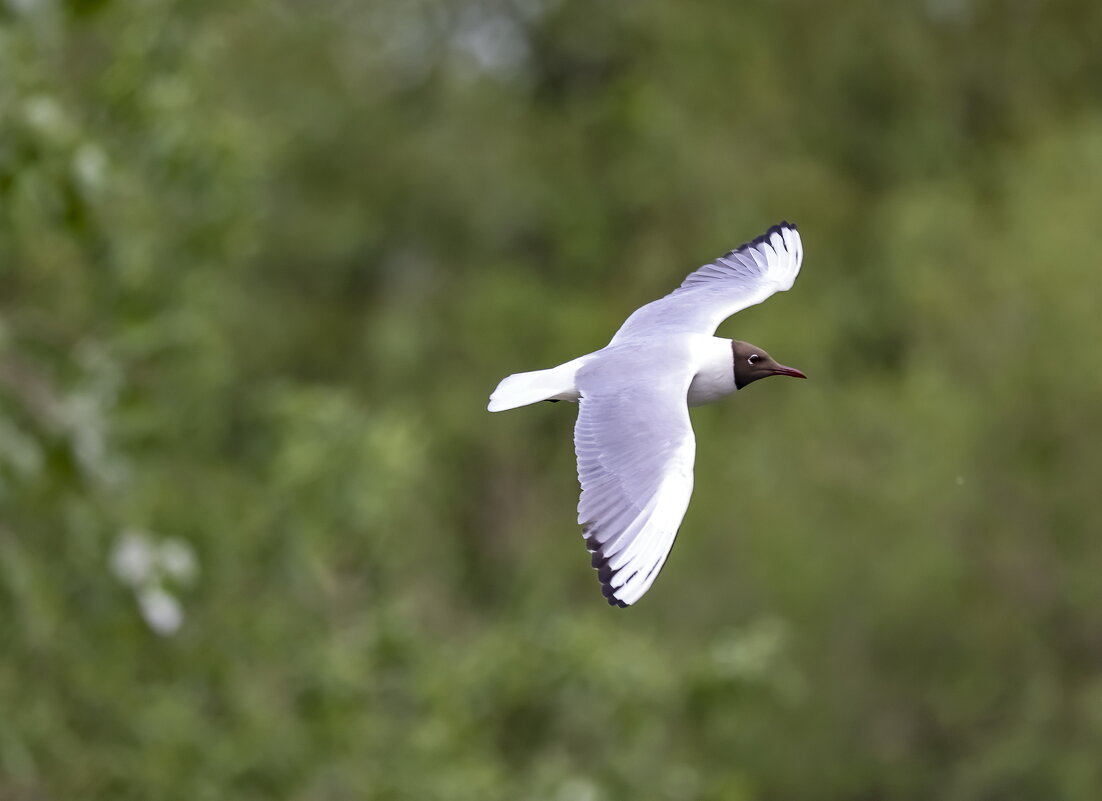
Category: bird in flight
[633,440]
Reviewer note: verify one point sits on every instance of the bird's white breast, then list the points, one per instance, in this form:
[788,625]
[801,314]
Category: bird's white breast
[715,376]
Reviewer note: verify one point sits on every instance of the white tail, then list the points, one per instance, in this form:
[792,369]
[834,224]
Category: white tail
[521,389]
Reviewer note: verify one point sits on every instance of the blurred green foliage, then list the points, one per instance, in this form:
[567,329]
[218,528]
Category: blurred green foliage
[262,263]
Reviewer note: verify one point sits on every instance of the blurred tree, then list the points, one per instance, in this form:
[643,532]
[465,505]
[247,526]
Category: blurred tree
[262,263]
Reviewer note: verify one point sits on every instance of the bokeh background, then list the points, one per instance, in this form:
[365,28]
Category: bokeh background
[261,263]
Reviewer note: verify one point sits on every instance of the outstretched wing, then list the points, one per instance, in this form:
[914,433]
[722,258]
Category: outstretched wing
[635,449]
[744,277]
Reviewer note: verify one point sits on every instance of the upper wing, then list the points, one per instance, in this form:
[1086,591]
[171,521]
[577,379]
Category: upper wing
[747,275]
[635,449]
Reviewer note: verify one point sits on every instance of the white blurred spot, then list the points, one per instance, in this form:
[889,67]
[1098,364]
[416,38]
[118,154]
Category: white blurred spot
[578,789]
[23,6]
[494,41]
[147,566]
[46,116]
[161,610]
[178,560]
[132,558]
[960,481]
[90,166]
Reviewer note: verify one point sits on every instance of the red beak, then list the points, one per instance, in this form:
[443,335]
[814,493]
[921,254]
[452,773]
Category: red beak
[789,371]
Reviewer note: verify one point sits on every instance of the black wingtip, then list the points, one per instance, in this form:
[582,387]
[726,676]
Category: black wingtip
[608,591]
[779,228]
[604,572]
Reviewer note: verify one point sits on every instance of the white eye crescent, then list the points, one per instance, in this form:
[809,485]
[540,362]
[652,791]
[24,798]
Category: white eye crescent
[753,358]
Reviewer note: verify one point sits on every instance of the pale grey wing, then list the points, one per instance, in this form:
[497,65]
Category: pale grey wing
[744,277]
[635,449]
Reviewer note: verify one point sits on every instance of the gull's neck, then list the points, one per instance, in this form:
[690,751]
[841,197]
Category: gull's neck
[715,370]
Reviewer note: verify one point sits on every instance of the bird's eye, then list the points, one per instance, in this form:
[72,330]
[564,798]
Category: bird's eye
[753,358]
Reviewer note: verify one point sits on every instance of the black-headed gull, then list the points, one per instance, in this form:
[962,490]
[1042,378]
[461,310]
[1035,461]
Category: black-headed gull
[633,440]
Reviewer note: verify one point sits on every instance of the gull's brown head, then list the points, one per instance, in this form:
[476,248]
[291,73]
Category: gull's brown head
[752,363]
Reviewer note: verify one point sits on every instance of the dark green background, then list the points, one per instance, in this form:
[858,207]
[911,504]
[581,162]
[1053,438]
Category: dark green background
[261,264]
